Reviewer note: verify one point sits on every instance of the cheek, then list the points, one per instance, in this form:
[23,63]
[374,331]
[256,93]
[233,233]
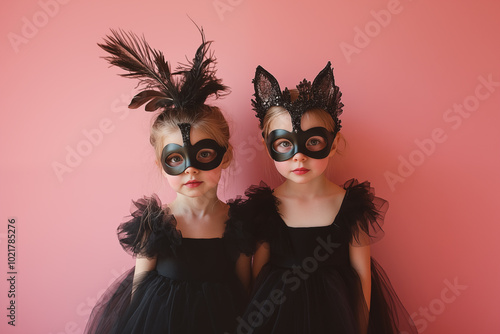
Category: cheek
[215,174]
[282,166]
[212,176]
[320,164]
[173,180]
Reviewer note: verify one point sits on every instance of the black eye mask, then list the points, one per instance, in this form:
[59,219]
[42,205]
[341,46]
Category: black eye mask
[206,154]
[316,143]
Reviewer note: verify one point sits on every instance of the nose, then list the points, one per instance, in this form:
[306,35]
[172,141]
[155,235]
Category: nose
[299,157]
[191,170]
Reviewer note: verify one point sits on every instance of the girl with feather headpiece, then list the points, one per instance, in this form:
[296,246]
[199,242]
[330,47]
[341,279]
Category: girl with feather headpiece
[191,271]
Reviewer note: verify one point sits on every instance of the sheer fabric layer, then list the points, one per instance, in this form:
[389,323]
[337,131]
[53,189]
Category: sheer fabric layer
[309,285]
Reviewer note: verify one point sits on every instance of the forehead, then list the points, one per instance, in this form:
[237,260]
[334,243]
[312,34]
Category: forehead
[284,121]
[174,136]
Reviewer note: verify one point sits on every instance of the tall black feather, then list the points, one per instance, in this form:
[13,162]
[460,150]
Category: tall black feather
[186,89]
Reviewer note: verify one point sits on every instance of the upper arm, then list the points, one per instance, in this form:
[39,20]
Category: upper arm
[360,258]
[243,270]
[359,254]
[142,266]
[260,258]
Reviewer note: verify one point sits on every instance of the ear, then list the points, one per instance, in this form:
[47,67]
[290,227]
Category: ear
[267,92]
[226,162]
[160,167]
[266,149]
[335,144]
[323,86]
[158,164]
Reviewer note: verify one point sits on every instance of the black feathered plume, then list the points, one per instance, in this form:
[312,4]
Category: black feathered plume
[186,89]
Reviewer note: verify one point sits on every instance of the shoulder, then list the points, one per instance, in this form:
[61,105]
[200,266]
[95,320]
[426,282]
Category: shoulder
[149,208]
[256,212]
[362,210]
[362,196]
[258,200]
[150,225]
[261,192]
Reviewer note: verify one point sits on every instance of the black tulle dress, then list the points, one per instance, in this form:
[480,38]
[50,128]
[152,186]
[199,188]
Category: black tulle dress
[309,285]
[193,289]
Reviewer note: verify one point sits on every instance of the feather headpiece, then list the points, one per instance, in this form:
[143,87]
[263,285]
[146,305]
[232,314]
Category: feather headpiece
[186,89]
[322,94]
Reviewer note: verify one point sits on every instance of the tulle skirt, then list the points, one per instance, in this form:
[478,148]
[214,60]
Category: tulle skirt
[327,300]
[162,305]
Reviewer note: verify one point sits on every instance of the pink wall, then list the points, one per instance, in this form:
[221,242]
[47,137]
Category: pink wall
[421,86]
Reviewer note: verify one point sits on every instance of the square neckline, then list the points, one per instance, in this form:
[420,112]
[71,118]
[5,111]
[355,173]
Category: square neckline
[173,221]
[306,227]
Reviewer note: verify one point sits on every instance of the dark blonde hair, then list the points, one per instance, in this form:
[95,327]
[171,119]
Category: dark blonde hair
[208,119]
[275,112]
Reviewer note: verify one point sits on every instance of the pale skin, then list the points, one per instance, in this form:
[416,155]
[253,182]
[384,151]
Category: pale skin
[199,213]
[310,199]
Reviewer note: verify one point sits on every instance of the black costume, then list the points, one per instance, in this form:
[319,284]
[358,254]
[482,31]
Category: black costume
[193,289]
[309,285]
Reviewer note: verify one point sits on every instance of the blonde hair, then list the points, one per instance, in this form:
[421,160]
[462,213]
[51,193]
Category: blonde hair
[208,119]
[275,112]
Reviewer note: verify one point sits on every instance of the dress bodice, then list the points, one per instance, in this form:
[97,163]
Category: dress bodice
[197,260]
[309,246]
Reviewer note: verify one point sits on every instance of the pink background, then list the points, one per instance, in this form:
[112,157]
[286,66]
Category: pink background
[404,67]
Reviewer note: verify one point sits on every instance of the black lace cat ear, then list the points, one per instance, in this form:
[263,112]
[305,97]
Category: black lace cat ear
[324,89]
[323,86]
[267,93]
[322,94]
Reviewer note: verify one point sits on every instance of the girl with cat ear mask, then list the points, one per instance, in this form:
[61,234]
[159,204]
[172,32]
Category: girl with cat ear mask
[312,266]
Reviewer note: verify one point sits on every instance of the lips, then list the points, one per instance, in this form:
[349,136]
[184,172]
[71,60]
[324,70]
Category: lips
[300,171]
[192,183]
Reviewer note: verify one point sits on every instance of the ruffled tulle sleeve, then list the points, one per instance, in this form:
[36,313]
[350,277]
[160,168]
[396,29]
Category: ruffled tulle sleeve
[257,213]
[151,229]
[362,213]
[238,235]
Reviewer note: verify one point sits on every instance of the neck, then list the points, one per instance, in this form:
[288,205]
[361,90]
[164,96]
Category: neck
[316,187]
[197,206]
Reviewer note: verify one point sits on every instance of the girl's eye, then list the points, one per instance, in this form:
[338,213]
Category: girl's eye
[316,143]
[282,145]
[174,160]
[206,155]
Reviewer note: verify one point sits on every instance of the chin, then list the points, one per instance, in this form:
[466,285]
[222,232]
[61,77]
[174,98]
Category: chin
[301,180]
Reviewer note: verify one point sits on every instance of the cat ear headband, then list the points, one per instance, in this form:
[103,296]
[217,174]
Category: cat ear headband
[182,91]
[321,94]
